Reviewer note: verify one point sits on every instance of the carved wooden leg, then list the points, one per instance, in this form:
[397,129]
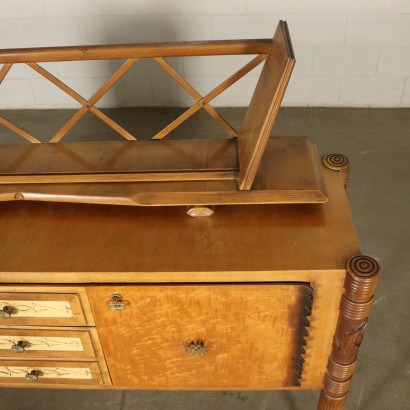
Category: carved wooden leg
[360,285]
[338,162]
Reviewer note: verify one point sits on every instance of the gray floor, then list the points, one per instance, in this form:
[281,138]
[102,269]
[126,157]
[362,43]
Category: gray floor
[377,141]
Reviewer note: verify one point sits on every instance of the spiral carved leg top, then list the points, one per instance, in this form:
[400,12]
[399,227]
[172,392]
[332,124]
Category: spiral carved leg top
[338,162]
[360,286]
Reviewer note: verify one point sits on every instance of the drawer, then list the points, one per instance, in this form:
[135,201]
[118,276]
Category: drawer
[48,307]
[51,372]
[203,336]
[26,344]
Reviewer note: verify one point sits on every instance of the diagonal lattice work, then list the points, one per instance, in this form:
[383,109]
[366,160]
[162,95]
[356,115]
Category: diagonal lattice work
[3,72]
[233,163]
[82,101]
[88,105]
[203,102]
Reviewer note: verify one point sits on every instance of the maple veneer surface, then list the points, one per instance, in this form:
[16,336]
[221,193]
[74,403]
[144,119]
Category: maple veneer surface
[53,242]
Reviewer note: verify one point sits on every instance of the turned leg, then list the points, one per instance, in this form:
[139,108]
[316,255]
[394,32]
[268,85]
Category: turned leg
[338,162]
[360,285]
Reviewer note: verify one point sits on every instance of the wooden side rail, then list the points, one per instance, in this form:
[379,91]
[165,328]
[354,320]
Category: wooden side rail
[264,106]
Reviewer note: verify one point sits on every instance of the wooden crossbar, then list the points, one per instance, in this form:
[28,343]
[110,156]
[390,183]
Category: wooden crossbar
[195,94]
[3,72]
[64,87]
[145,50]
[203,101]
[90,103]
[19,131]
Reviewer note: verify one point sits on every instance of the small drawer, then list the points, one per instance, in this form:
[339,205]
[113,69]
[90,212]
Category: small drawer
[23,344]
[43,308]
[38,373]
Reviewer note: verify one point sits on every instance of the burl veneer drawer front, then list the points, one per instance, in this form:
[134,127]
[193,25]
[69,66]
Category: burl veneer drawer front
[25,306]
[47,344]
[38,372]
[202,336]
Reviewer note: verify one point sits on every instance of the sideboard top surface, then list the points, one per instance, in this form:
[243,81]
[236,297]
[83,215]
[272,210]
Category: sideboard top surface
[70,239]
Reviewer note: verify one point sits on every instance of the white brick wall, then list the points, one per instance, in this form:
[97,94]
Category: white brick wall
[349,52]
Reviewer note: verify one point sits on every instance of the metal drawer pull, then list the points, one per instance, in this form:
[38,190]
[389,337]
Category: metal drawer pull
[6,311]
[33,376]
[20,346]
[117,303]
[196,348]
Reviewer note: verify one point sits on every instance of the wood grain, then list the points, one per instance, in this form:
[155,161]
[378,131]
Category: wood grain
[237,244]
[264,106]
[119,162]
[338,162]
[252,140]
[360,285]
[204,101]
[4,71]
[194,93]
[93,100]
[143,50]
[289,173]
[118,157]
[250,333]
[19,131]
[99,244]
[121,177]
[64,87]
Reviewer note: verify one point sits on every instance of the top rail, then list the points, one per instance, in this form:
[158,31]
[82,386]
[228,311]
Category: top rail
[140,50]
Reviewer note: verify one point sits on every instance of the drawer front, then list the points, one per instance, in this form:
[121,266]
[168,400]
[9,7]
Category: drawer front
[41,308]
[30,373]
[202,336]
[22,344]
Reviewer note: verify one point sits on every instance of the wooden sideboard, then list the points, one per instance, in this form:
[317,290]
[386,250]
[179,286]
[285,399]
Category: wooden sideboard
[253,297]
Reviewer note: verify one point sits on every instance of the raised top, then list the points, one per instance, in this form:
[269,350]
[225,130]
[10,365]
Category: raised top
[257,125]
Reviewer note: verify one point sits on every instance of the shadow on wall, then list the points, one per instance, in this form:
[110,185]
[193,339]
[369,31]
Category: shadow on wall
[146,83]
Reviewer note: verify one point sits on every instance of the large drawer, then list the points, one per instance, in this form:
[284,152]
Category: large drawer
[44,306]
[56,343]
[203,336]
[30,373]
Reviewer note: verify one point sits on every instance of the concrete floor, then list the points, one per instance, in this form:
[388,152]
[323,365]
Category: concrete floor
[377,142]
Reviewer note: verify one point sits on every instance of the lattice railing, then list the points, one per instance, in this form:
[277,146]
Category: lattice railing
[132,53]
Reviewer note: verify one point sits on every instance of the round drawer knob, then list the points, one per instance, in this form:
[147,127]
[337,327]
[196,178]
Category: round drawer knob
[116,302]
[6,311]
[196,348]
[33,376]
[20,346]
